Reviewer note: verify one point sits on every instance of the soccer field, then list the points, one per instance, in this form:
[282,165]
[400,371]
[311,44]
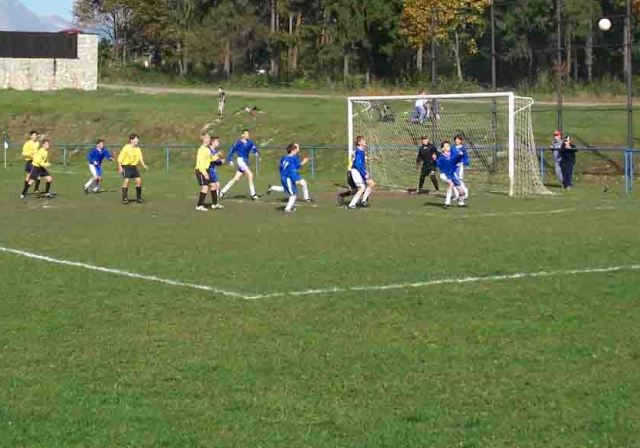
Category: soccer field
[510,323]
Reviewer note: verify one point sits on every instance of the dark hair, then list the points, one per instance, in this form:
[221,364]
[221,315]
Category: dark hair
[424,137]
[100,141]
[245,130]
[458,136]
[33,132]
[213,137]
[446,142]
[359,138]
[133,136]
[291,147]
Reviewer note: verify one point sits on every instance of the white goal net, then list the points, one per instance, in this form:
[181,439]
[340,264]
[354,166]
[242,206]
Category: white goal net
[496,128]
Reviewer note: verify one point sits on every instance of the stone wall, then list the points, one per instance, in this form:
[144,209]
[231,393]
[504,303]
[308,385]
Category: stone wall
[54,74]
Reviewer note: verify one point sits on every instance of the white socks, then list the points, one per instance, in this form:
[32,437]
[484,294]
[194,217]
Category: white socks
[252,189]
[305,189]
[90,183]
[355,199]
[290,203]
[228,186]
[278,188]
[447,200]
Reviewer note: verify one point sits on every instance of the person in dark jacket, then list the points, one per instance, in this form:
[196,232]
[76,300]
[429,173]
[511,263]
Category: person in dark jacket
[567,161]
[427,155]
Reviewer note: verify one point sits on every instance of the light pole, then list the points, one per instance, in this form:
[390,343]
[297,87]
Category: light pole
[629,76]
[559,62]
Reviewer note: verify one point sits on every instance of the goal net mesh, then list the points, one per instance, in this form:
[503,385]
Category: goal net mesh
[393,129]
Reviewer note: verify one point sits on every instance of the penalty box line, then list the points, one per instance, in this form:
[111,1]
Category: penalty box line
[325,291]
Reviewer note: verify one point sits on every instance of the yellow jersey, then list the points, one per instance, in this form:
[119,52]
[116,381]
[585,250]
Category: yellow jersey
[130,155]
[203,159]
[41,158]
[29,149]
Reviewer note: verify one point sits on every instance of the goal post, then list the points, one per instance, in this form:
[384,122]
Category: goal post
[496,127]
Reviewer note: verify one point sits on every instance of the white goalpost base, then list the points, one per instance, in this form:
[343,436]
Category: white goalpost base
[496,128]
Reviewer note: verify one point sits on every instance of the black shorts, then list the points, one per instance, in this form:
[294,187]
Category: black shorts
[130,172]
[202,181]
[28,164]
[350,181]
[37,172]
[428,169]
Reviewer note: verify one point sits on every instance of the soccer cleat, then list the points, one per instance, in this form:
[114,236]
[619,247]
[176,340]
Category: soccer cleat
[289,212]
[255,197]
[351,207]
[221,195]
[125,201]
[364,204]
[217,206]
[23,196]
[201,208]
[269,189]
[339,200]
[445,206]
[86,190]
[49,195]
[140,201]
[461,204]
[309,201]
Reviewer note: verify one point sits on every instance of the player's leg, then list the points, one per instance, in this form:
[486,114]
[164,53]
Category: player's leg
[138,181]
[98,180]
[556,166]
[203,184]
[290,188]
[214,188]
[125,184]
[367,191]
[33,175]
[350,192]
[47,188]
[423,176]
[360,184]
[28,167]
[305,189]
[252,187]
[447,199]
[88,184]
[231,182]
[434,180]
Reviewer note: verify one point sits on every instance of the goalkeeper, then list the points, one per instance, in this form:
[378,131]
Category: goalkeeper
[427,155]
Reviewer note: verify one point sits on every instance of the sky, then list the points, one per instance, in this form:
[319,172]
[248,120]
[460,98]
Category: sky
[62,8]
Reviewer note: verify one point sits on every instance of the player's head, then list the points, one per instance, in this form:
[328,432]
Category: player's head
[424,139]
[422,92]
[360,141]
[215,141]
[246,134]
[458,139]
[134,139]
[557,134]
[33,135]
[293,148]
[567,139]
[45,143]
[205,138]
[100,144]
[446,147]
[220,89]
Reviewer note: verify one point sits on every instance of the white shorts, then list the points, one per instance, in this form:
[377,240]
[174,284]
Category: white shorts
[460,171]
[242,165]
[95,171]
[356,177]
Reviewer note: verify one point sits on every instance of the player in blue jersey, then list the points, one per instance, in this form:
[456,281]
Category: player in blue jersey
[359,174]
[447,163]
[95,157]
[464,162]
[243,148]
[290,177]
[214,183]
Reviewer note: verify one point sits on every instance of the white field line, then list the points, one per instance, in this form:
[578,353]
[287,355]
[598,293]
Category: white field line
[324,291]
[150,278]
[491,214]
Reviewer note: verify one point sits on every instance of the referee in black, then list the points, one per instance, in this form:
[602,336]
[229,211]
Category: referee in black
[427,155]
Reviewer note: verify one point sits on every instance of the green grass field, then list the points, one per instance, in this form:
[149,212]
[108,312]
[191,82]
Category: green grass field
[510,323]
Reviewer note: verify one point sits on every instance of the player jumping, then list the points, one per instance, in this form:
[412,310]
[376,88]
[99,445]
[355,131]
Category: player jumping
[40,169]
[359,175]
[290,177]
[464,162]
[243,147]
[95,158]
[447,163]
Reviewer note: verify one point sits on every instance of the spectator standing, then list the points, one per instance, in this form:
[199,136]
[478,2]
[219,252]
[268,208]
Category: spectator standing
[556,145]
[567,161]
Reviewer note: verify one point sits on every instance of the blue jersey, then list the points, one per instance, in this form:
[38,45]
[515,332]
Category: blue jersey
[243,149]
[465,154]
[447,163]
[360,162]
[96,156]
[289,166]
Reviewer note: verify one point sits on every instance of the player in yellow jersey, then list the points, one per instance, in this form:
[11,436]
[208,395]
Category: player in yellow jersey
[128,160]
[203,159]
[28,151]
[40,169]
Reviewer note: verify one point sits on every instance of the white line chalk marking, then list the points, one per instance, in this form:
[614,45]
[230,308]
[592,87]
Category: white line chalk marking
[324,291]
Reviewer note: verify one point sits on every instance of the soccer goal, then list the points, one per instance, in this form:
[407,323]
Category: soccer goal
[496,128]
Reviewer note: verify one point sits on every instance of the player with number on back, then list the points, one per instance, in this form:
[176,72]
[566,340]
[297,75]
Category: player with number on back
[289,167]
[447,163]
[360,176]
[95,158]
[40,169]
[243,147]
